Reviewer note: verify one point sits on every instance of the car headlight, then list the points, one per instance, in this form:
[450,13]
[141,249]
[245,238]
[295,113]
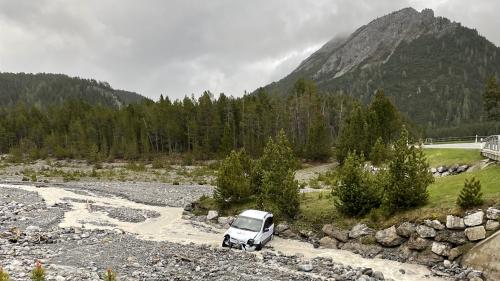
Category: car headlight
[250,242]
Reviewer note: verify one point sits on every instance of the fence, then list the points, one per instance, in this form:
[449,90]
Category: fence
[491,149]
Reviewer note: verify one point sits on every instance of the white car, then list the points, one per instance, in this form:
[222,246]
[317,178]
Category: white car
[250,230]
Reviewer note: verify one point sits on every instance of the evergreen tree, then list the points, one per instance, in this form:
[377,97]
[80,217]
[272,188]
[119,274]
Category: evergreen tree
[379,152]
[356,191]
[318,145]
[38,273]
[233,182]
[408,177]
[354,135]
[491,99]
[470,195]
[385,122]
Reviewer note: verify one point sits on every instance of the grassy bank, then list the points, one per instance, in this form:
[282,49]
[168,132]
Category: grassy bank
[451,156]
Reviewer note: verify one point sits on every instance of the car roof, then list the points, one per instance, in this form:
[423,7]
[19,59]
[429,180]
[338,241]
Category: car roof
[255,214]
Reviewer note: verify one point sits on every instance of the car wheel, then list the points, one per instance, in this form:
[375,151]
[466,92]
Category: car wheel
[258,247]
[225,242]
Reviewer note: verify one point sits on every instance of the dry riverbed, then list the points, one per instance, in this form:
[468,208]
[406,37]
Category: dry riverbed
[79,229]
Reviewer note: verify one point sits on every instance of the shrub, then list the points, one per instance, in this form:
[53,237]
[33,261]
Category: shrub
[136,167]
[379,152]
[109,275]
[356,190]
[233,182]
[158,163]
[4,276]
[471,195]
[38,273]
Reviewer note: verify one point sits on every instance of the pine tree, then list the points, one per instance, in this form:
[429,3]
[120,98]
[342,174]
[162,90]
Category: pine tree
[470,195]
[38,273]
[491,98]
[356,191]
[318,145]
[408,177]
[233,182]
[379,152]
[354,136]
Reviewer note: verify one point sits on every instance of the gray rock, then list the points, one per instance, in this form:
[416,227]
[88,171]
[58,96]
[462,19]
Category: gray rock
[437,225]
[417,243]
[493,213]
[359,230]
[280,228]
[475,233]
[462,168]
[453,222]
[306,267]
[474,219]
[328,242]
[334,232]
[492,225]
[389,237]
[212,215]
[433,170]
[442,249]
[378,275]
[454,253]
[225,220]
[405,229]
[369,251]
[454,237]
[32,229]
[441,169]
[425,231]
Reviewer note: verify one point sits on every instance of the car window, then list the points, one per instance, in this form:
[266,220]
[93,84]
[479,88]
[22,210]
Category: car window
[246,223]
[269,222]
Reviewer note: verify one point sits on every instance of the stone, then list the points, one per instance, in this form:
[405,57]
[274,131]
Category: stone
[425,231]
[288,233]
[493,213]
[474,219]
[389,237]
[437,225]
[306,267]
[405,229]
[367,251]
[492,225]
[441,169]
[359,230]
[378,275]
[475,233]
[335,232]
[428,258]
[447,263]
[453,222]
[462,168]
[281,228]
[454,253]
[442,249]
[225,220]
[32,229]
[417,243]
[454,237]
[212,215]
[328,242]
[433,170]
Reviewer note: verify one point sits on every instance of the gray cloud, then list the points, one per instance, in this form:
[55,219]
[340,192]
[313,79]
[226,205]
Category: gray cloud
[183,47]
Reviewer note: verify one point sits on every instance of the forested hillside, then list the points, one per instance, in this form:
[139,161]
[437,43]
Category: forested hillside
[205,127]
[43,90]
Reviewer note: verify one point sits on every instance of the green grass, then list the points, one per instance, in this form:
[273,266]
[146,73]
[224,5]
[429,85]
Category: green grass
[451,156]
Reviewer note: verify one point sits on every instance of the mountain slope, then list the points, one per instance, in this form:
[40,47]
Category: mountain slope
[44,89]
[433,69]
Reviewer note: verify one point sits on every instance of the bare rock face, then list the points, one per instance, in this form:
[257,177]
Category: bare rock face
[474,219]
[425,231]
[475,233]
[453,222]
[406,229]
[389,237]
[335,232]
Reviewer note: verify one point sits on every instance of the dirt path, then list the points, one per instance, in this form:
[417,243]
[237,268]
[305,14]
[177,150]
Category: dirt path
[169,226]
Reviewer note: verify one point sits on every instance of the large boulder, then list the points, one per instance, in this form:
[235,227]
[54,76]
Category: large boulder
[492,225]
[428,258]
[224,221]
[334,232]
[442,249]
[474,219]
[389,237]
[453,222]
[455,253]
[417,243]
[367,251]
[212,215]
[462,168]
[405,229]
[425,231]
[359,230]
[328,242]
[437,225]
[281,228]
[493,213]
[454,237]
[475,233]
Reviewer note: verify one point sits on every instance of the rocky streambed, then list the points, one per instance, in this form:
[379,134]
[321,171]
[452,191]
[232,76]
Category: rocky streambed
[79,230]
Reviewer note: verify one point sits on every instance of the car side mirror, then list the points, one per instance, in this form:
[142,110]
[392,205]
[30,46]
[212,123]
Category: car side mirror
[266,229]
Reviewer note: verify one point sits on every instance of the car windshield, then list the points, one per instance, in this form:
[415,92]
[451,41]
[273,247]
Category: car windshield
[247,223]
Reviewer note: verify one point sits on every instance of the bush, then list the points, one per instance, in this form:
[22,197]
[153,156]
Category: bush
[158,163]
[408,177]
[4,276]
[136,167]
[109,275]
[471,195]
[233,182]
[38,273]
[356,189]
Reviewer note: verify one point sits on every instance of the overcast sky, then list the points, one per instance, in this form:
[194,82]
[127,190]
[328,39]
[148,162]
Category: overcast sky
[184,47]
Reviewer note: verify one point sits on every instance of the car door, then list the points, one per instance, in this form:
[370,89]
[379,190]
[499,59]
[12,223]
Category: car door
[269,226]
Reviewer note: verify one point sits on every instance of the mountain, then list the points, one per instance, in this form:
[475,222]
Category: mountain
[45,89]
[433,69]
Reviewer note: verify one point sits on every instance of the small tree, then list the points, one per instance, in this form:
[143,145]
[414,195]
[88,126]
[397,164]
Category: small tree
[471,194]
[356,191]
[109,275]
[408,177]
[233,180]
[4,276]
[318,146]
[38,273]
[379,152]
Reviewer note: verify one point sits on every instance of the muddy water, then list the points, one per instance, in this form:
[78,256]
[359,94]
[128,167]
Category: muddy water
[169,226]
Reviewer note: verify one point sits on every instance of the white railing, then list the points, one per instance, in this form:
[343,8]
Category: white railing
[491,143]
